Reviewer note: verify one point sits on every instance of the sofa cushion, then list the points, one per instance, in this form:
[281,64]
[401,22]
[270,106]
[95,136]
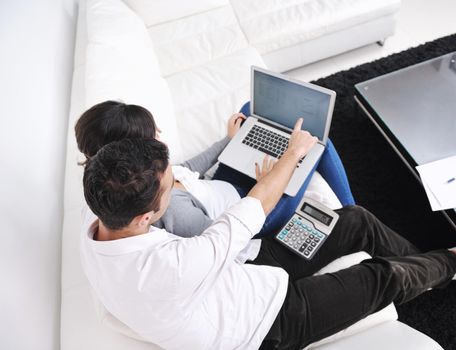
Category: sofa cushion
[198,39]
[113,23]
[270,25]
[391,335]
[160,11]
[121,65]
[206,96]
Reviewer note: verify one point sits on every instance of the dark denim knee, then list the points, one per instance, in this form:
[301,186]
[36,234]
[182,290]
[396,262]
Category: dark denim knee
[361,215]
[352,209]
[355,221]
[354,214]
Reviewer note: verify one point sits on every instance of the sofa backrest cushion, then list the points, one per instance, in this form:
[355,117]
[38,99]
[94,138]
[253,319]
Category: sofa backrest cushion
[161,11]
[196,40]
[271,25]
[205,59]
[121,65]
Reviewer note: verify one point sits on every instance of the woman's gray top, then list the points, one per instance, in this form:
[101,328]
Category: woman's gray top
[186,215]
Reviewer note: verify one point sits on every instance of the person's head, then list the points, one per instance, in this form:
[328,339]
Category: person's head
[112,121]
[128,181]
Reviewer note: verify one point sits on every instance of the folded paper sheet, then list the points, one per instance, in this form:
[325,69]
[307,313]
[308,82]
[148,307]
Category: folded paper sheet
[439,180]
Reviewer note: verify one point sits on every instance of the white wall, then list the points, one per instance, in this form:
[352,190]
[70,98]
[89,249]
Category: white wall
[36,58]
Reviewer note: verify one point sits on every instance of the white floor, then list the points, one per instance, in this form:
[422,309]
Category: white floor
[418,21]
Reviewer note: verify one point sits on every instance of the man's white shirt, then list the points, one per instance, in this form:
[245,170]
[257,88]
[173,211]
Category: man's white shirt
[188,293]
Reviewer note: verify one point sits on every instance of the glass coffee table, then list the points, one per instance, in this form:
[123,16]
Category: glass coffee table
[415,110]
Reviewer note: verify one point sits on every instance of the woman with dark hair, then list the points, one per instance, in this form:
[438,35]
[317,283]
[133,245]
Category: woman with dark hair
[195,202]
[112,121]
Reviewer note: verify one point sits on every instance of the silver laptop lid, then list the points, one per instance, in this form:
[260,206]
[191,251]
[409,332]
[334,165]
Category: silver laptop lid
[282,100]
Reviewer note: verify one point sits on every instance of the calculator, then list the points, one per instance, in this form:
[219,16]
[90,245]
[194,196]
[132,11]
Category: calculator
[308,228]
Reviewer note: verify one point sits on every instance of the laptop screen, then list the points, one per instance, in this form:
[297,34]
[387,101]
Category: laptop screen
[283,102]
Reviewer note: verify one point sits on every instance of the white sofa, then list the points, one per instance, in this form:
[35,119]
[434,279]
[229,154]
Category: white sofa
[188,62]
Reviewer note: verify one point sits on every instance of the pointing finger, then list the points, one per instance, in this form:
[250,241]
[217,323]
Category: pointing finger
[298,124]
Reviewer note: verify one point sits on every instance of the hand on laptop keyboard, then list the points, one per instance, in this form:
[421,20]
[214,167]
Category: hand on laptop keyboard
[274,144]
[266,167]
[234,124]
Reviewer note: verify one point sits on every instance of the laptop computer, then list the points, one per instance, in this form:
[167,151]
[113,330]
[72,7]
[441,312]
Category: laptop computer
[277,101]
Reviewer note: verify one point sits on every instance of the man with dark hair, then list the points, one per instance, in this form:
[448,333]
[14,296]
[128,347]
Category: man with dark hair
[196,293]
[129,183]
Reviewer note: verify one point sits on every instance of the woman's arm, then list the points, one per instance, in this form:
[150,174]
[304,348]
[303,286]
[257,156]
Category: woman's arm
[185,216]
[205,160]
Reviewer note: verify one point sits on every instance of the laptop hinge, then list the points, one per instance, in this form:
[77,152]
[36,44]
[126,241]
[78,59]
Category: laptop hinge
[274,126]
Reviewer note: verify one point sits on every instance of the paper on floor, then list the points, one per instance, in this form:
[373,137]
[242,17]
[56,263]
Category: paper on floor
[436,177]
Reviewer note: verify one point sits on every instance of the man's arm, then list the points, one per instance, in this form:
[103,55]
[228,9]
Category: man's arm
[270,188]
[202,258]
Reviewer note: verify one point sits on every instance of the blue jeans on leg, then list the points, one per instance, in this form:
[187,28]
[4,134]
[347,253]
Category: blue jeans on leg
[332,170]
[282,212]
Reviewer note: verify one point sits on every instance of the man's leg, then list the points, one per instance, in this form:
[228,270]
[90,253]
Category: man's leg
[357,230]
[319,306]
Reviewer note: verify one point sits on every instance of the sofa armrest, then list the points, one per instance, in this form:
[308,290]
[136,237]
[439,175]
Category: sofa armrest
[343,262]
[392,335]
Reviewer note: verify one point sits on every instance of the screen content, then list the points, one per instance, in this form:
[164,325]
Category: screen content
[284,102]
[317,214]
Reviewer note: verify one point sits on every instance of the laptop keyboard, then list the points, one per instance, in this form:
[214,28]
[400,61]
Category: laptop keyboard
[267,141]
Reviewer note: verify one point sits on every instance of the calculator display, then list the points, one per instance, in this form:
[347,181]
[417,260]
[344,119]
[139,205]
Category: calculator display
[316,214]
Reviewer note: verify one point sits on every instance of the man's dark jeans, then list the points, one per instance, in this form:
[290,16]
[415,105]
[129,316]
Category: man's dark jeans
[319,306]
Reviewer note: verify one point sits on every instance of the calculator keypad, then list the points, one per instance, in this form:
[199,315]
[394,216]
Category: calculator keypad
[300,236]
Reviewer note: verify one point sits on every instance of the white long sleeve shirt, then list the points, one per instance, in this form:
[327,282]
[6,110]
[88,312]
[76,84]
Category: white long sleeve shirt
[188,293]
[215,195]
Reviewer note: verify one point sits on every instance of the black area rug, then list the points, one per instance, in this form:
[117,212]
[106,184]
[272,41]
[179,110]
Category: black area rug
[381,183]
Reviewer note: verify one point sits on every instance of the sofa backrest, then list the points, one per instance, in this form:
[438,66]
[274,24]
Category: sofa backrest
[200,32]
[161,11]
[205,58]
[121,65]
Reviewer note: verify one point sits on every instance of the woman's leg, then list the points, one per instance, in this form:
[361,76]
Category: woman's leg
[282,212]
[332,170]
[234,177]
[279,216]
[319,306]
[357,230]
